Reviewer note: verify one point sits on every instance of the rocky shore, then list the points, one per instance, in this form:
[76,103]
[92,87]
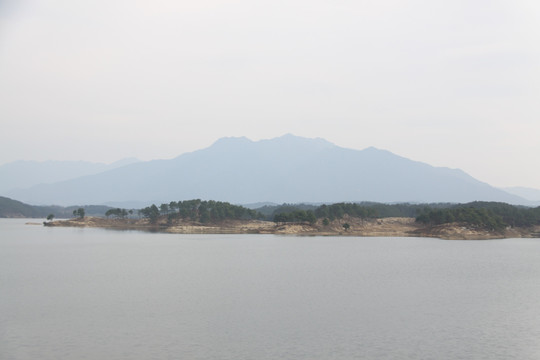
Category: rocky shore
[348,226]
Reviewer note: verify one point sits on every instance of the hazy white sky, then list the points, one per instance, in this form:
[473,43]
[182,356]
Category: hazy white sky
[451,83]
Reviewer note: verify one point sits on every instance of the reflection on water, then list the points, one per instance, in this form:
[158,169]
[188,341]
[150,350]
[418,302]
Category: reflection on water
[97,294]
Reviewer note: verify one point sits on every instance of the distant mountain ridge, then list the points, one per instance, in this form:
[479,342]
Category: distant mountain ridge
[524,192]
[10,208]
[285,169]
[23,174]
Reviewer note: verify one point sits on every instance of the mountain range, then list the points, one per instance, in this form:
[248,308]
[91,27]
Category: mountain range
[288,169]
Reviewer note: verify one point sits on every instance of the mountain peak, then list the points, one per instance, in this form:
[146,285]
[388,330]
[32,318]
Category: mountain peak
[294,140]
[287,140]
[231,139]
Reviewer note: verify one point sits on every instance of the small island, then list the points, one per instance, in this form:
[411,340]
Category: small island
[473,221]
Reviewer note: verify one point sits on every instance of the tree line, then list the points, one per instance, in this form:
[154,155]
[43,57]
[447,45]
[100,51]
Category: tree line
[199,210]
[488,215]
[296,216]
[365,210]
[118,213]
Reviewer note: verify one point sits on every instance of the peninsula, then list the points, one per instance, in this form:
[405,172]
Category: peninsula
[478,220]
[347,226]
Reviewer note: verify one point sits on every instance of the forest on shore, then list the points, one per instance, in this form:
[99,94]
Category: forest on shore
[493,216]
[199,210]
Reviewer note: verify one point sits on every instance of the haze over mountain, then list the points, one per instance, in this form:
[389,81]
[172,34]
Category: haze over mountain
[23,174]
[283,169]
[524,192]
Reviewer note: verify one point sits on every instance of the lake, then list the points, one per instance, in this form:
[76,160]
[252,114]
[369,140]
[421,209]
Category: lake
[68,293]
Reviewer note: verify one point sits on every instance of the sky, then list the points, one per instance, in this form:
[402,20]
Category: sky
[449,83]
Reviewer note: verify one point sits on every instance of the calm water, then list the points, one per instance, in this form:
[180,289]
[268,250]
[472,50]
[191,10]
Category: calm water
[97,294]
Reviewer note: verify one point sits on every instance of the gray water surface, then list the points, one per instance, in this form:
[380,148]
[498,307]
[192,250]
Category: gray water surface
[68,293]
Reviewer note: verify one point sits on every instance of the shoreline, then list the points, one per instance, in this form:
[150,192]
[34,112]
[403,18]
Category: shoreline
[384,227]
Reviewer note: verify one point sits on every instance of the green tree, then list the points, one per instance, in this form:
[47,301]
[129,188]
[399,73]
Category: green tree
[310,217]
[346,226]
[50,217]
[80,213]
[151,212]
[119,213]
[164,208]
